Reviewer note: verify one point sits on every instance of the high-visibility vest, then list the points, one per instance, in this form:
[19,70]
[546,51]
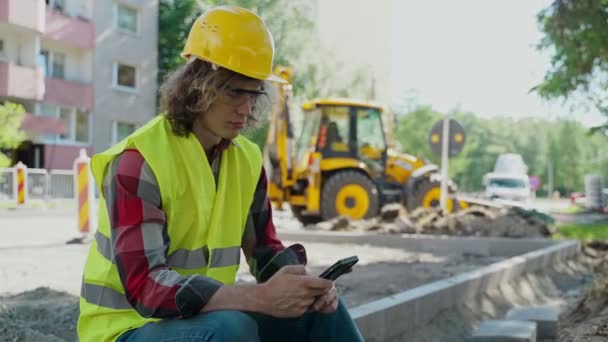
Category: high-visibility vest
[205,223]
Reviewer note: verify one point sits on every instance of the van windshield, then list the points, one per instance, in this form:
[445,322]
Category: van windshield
[508,183]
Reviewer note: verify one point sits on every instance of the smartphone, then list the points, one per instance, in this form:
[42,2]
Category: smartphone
[339,268]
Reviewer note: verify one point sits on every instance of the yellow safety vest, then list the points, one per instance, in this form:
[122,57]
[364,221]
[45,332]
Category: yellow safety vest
[205,229]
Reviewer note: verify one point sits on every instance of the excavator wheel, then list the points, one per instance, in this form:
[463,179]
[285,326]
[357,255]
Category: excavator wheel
[349,193]
[304,219]
[427,194]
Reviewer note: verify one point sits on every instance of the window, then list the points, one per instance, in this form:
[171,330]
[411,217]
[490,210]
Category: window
[122,130]
[48,110]
[43,61]
[370,135]
[52,63]
[82,127]
[66,116]
[126,18]
[58,66]
[59,5]
[125,76]
[336,124]
[76,123]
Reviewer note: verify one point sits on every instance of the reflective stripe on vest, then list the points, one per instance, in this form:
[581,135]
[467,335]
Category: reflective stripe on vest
[183,258]
[104,296]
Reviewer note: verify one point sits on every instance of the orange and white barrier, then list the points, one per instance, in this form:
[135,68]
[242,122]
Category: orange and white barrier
[84,185]
[20,183]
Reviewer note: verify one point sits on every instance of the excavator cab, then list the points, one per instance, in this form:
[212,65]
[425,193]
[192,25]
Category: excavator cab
[340,155]
[343,130]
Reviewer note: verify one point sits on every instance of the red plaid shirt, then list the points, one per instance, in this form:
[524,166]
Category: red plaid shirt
[140,241]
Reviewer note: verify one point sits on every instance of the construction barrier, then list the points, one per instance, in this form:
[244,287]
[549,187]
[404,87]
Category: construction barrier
[20,183]
[85,192]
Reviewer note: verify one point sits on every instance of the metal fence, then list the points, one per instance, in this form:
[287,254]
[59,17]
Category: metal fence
[61,184]
[6,185]
[41,184]
[37,184]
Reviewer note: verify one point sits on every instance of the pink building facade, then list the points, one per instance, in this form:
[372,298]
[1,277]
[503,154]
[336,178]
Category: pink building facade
[60,60]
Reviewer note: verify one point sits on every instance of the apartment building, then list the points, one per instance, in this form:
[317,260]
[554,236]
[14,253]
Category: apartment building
[85,71]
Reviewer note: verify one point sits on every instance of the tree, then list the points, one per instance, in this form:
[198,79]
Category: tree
[174,20]
[11,116]
[573,151]
[576,34]
[412,132]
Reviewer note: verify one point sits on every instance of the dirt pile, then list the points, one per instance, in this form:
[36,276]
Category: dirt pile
[473,221]
[587,319]
[38,315]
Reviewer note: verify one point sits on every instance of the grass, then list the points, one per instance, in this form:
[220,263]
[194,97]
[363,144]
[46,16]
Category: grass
[573,209]
[587,232]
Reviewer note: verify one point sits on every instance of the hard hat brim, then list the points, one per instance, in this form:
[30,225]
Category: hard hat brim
[271,77]
[275,78]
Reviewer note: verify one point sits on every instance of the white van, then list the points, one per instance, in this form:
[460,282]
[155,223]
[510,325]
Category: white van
[508,186]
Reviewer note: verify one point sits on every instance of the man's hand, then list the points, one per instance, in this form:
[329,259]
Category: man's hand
[328,302]
[290,292]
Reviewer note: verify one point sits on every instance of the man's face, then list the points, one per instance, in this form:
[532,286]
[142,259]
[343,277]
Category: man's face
[232,109]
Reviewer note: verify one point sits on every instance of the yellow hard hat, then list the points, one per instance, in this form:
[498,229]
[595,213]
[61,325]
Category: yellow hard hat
[233,38]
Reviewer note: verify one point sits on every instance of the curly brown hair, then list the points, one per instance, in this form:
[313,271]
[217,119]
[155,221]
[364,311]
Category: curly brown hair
[191,89]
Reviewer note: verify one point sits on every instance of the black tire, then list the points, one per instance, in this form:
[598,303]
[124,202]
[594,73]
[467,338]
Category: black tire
[304,219]
[339,180]
[424,186]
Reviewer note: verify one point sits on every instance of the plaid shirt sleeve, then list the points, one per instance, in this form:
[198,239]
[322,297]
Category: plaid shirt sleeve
[140,243]
[264,252]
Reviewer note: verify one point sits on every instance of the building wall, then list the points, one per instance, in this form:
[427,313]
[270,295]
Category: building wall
[78,62]
[86,33]
[27,48]
[11,45]
[137,49]
[81,8]
[61,157]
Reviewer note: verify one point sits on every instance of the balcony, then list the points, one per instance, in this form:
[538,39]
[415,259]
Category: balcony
[21,82]
[69,93]
[74,31]
[24,13]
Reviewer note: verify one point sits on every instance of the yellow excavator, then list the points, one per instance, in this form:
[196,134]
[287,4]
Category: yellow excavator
[340,161]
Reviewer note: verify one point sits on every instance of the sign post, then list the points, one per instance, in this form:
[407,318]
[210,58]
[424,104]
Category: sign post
[446,140]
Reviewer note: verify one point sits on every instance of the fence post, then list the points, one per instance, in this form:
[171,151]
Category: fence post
[20,183]
[84,191]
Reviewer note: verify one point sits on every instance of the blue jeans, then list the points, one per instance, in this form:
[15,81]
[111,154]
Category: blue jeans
[245,327]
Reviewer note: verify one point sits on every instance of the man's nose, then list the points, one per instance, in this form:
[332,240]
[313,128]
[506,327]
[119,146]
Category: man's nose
[245,108]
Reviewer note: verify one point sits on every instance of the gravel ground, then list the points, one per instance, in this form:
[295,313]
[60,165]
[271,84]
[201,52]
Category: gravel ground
[40,274]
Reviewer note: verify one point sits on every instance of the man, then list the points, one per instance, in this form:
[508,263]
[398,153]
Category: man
[182,195]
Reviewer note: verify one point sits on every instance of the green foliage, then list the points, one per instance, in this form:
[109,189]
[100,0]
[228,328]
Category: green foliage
[11,116]
[174,20]
[587,232]
[576,34]
[573,151]
[257,135]
[412,132]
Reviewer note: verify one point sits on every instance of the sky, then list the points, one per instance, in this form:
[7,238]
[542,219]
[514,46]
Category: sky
[473,55]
